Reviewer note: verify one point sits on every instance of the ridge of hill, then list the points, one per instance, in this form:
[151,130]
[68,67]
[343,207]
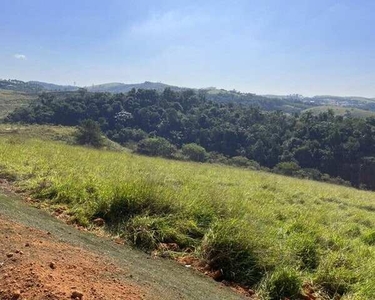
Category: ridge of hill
[293,103]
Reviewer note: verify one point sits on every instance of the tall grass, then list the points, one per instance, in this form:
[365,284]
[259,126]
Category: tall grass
[270,232]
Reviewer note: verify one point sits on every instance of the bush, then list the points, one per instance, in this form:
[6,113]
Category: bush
[128,134]
[289,168]
[156,146]
[89,133]
[241,161]
[216,157]
[307,173]
[194,152]
[284,283]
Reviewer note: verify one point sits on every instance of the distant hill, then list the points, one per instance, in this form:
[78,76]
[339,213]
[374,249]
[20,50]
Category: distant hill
[293,103]
[10,100]
[342,111]
[20,86]
[116,87]
[54,87]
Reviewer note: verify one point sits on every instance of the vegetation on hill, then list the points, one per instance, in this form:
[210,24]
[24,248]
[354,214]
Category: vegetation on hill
[273,233]
[287,105]
[20,86]
[10,100]
[342,111]
[54,87]
[340,146]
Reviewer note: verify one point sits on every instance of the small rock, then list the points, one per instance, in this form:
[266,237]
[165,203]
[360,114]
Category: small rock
[99,222]
[52,265]
[217,275]
[76,295]
[226,283]
[10,254]
[27,245]
[251,292]
[16,295]
[169,247]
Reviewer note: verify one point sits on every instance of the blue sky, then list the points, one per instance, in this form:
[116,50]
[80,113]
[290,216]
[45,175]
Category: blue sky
[265,47]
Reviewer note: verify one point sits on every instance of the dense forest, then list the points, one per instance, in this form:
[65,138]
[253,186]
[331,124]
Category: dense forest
[304,145]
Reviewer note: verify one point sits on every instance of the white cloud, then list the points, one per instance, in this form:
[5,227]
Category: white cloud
[169,23]
[20,56]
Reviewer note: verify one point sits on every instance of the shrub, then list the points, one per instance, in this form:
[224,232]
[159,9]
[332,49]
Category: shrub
[284,283]
[194,152]
[129,134]
[287,168]
[241,161]
[313,174]
[216,157]
[89,133]
[156,146]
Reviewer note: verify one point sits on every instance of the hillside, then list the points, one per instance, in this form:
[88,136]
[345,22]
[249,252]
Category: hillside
[54,87]
[288,103]
[342,111]
[20,86]
[279,235]
[10,100]
[124,88]
[324,147]
[293,103]
[52,260]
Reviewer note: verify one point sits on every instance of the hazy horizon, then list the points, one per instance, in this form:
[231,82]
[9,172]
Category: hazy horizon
[263,47]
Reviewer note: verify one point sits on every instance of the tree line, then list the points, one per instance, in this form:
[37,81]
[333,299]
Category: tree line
[172,123]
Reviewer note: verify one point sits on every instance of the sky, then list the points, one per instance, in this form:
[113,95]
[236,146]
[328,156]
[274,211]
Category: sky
[316,47]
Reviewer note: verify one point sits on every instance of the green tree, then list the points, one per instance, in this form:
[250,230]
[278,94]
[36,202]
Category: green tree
[289,168]
[89,133]
[194,152]
[156,146]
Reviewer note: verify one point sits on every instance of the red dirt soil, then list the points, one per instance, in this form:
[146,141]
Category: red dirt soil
[34,265]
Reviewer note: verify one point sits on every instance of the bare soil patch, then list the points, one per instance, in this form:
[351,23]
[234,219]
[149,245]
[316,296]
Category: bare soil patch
[34,265]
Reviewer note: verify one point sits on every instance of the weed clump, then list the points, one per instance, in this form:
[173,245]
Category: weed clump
[284,283]
[336,274]
[306,250]
[227,249]
[147,232]
[369,238]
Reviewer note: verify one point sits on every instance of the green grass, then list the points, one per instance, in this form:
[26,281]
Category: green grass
[17,133]
[341,111]
[270,232]
[10,100]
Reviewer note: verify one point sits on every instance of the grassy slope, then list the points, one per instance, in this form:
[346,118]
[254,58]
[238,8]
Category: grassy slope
[286,230]
[355,112]
[161,279]
[10,100]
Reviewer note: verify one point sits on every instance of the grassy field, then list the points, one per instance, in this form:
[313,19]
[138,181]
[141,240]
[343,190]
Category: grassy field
[341,111]
[273,233]
[10,100]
